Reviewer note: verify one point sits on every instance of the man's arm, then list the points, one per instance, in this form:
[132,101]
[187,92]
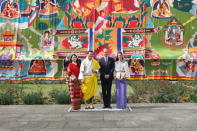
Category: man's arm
[82,70]
[101,70]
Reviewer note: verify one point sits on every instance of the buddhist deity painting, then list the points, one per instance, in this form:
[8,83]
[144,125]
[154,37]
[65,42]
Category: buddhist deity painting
[174,34]
[47,42]
[48,8]
[191,67]
[37,35]
[134,41]
[161,9]
[187,67]
[137,65]
[9,9]
[75,42]
[187,63]
[37,67]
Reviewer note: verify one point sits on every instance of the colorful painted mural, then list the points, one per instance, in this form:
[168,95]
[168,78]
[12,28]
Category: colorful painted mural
[157,37]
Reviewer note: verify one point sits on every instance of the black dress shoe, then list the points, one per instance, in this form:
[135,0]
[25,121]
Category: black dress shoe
[104,107]
[109,107]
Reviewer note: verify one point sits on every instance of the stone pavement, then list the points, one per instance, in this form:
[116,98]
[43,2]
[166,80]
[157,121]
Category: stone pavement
[144,117]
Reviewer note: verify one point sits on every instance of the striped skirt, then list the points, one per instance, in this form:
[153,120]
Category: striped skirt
[75,94]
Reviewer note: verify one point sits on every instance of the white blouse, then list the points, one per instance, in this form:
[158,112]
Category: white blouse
[121,69]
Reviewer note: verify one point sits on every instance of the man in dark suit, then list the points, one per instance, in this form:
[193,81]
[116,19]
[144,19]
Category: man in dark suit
[107,69]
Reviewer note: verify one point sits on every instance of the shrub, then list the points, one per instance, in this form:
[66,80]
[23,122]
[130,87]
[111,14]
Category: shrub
[6,98]
[193,96]
[11,93]
[61,97]
[161,91]
[176,92]
[33,98]
[141,90]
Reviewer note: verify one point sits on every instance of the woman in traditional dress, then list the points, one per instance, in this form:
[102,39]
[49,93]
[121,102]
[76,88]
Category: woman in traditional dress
[121,72]
[73,83]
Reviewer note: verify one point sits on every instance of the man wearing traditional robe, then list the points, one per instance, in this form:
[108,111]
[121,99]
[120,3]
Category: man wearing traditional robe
[88,76]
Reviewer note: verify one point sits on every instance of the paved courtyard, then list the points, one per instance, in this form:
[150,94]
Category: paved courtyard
[144,117]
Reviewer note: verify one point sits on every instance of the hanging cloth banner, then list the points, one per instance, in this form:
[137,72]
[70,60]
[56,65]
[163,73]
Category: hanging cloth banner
[158,38]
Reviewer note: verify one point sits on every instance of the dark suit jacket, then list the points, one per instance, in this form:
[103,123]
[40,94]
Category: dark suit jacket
[107,68]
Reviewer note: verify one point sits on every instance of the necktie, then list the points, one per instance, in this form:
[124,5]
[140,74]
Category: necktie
[106,59]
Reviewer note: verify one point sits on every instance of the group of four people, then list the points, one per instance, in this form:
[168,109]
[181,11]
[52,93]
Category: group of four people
[83,81]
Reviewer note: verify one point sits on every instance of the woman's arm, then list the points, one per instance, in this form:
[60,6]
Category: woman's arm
[127,70]
[69,71]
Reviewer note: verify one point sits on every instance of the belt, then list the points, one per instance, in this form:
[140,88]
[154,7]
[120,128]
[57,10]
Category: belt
[87,75]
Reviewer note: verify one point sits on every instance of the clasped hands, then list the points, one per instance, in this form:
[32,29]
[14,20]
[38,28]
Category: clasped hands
[119,78]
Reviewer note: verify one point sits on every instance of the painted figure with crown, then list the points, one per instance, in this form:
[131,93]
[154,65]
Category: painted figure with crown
[174,34]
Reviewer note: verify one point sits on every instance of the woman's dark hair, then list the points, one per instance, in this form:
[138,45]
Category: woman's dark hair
[78,61]
[117,56]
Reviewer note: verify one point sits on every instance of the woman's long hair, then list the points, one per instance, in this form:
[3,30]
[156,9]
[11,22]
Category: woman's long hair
[78,61]
[117,56]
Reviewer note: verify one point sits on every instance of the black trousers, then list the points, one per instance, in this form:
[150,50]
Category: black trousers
[106,90]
